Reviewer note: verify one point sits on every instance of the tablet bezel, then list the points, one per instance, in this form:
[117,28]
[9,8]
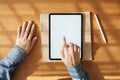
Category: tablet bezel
[50,33]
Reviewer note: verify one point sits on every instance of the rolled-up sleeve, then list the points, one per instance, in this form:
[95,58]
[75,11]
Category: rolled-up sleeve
[9,63]
[78,73]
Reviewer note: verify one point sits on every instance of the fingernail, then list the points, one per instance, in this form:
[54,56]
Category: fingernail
[30,21]
[36,38]
[24,22]
[33,24]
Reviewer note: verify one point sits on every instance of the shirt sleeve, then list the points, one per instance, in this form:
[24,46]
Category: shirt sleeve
[78,73]
[9,63]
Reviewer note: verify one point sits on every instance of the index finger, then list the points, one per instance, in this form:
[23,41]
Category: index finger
[65,44]
[64,40]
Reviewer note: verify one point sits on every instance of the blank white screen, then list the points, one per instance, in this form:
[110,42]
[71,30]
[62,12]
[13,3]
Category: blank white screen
[64,25]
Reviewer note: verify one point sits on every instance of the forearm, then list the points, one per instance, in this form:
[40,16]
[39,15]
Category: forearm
[9,63]
[78,73]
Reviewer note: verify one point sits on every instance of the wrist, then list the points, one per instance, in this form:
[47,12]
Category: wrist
[72,64]
[22,49]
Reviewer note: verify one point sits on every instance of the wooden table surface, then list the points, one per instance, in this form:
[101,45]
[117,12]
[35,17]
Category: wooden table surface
[106,57]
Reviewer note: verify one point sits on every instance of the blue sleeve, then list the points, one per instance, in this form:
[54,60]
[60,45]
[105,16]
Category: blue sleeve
[78,73]
[9,63]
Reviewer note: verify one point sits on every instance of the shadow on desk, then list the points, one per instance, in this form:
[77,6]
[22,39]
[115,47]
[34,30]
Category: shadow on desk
[93,70]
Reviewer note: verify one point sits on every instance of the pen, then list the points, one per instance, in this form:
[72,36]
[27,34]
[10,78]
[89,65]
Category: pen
[100,28]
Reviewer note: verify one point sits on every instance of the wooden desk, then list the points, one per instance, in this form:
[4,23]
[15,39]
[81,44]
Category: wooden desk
[106,63]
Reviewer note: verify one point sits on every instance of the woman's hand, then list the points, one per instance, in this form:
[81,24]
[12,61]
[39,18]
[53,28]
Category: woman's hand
[25,39]
[70,53]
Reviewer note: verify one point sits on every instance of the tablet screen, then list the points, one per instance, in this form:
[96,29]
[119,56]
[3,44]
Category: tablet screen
[64,24]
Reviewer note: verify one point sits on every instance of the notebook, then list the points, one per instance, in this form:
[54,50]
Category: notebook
[64,24]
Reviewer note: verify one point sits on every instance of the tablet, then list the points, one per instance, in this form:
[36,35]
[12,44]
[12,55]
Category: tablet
[68,25]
